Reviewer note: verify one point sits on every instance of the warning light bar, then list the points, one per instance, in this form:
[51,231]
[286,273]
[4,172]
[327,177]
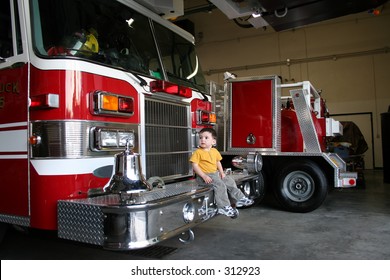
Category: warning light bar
[45,101]
[170,88]
[107,103]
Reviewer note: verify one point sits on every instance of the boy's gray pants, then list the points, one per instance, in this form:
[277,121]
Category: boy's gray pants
[222,188]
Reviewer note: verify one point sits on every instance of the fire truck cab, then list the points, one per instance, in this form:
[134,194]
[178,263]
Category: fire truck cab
[92,90]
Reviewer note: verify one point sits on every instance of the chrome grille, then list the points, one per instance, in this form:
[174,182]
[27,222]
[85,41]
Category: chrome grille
[167,139]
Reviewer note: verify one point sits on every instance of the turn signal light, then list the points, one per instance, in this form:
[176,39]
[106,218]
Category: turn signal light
[34,140]
[125,105]
[107,103]
[170,88]
[206,117]
[213,118]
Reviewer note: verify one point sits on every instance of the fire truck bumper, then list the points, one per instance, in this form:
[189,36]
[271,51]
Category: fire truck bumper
[347,179]
[150,217]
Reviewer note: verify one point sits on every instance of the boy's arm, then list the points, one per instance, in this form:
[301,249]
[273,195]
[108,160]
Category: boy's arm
[200,173]
[220,169]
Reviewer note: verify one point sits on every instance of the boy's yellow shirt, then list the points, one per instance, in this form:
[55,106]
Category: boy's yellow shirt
[207,160]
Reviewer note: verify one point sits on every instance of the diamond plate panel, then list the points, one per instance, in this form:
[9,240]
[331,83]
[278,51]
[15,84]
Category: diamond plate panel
[16,220]
[305,121]
[80,222]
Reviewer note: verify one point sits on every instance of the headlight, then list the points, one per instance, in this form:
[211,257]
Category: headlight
[111,139]
[247,188]
[188,212]
[253,162]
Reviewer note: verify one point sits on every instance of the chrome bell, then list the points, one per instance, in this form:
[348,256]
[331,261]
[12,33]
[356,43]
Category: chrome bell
[127,175]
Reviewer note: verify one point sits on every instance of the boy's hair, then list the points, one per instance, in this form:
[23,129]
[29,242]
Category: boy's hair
[210,130]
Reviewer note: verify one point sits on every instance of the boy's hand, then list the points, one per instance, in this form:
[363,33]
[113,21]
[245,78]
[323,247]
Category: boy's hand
[222,174]
[207,179]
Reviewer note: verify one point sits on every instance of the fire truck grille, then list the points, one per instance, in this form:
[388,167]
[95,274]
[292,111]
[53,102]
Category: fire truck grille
[167,139]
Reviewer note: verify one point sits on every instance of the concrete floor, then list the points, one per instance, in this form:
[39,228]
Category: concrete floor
[352,224]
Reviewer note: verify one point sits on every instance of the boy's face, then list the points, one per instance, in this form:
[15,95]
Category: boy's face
[206,140]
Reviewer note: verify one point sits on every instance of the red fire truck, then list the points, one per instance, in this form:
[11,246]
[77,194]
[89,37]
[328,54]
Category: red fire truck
[92,90]
[285,128]
[100,106]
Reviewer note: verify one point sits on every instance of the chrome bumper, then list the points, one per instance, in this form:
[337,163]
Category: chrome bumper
[150,217]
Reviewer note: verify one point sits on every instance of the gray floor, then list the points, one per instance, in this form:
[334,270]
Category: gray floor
[352,224]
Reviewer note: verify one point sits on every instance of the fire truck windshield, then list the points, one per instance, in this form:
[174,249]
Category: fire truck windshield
[113,34]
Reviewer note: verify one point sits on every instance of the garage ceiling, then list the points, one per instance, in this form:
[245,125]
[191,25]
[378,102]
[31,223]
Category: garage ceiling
[279,14]
[287,14]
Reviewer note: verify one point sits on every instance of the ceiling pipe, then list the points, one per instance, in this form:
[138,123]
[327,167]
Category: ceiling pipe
[299,60]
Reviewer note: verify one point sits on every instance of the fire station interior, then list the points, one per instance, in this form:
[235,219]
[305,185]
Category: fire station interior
[342,48]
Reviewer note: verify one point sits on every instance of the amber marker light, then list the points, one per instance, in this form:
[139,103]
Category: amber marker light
[213,118]
[34,140]
[109,102]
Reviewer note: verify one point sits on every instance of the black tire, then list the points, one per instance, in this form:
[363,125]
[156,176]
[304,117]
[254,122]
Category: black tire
[300,186]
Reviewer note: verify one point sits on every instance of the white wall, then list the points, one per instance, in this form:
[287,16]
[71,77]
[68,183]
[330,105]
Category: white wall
[344,57]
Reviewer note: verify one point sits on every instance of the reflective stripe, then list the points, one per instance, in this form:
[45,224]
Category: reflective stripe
[5,125]
[13,156]
[13,140]
[69,166]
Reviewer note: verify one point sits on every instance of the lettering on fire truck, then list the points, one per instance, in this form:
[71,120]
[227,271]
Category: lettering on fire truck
[11,87]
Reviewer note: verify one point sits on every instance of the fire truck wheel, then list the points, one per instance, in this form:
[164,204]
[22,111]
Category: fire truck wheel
[300,186]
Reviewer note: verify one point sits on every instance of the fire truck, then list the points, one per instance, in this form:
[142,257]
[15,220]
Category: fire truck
[101,103]
[283,130]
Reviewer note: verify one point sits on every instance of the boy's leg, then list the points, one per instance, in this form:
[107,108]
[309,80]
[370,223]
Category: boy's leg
[236,194]
[221,197]
[220,191]
[231,186]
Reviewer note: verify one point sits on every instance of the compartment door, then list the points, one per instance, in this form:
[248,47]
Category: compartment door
[252,114]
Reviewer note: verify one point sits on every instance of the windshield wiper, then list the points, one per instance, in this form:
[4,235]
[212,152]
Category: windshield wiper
[141,80]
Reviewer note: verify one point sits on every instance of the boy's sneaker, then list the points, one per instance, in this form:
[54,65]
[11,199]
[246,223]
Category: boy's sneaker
[228,211]
[244,202]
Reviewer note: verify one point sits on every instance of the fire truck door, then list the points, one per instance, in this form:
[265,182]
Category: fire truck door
[252,114]
[13,113]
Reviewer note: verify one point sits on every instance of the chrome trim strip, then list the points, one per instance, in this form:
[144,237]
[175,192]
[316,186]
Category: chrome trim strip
[71,138]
